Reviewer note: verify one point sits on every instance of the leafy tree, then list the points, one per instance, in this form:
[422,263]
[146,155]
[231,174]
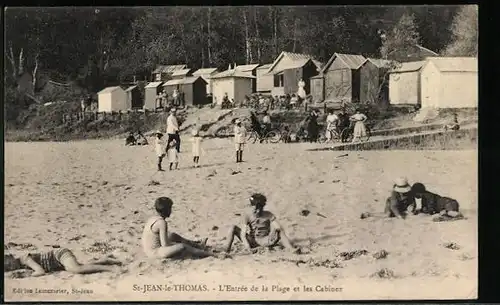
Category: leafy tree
[464,29]
[401,40]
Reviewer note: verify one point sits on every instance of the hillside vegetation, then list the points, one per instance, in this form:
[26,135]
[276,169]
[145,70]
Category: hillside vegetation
[62,54]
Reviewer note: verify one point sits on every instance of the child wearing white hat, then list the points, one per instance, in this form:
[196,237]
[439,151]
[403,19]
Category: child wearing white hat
[401,199]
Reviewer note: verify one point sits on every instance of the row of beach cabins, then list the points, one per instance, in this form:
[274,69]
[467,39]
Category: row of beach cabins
[426,80]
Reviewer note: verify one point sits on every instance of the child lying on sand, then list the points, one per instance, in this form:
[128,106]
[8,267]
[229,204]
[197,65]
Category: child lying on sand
[56,260]
[157,242]
[259,228]
[433,203]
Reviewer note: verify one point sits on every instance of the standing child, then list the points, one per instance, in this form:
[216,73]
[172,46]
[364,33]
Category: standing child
[61,259]
[172,155]
[239,140]
[196,139]
[159,148]
[259,228]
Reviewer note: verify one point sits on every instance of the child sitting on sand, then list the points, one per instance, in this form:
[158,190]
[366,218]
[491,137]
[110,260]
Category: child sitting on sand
[172,154]
[159,148]
[433,203]
[259,228]
[130,140]
[56,260]
[158,242]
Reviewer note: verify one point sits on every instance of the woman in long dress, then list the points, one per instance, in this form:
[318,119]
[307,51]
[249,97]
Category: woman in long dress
[359,125]
[301,92]
[312,127]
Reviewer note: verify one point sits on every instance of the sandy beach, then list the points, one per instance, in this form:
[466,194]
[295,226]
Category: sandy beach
[92,196]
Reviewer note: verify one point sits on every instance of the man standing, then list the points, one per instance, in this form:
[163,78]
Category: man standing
[173,130]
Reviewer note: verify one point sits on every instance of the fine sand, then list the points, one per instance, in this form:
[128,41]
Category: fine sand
[93,196]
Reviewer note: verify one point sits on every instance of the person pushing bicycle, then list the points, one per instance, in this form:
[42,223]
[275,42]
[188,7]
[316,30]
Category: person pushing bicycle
[331,124]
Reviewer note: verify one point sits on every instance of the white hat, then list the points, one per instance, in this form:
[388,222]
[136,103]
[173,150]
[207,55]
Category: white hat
[401,185]
[237,121]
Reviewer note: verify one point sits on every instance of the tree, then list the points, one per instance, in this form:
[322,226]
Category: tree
[464,30]
[401,40]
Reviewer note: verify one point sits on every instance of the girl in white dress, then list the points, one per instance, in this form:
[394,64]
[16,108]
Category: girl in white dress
[196,140]
[359,125]
[172,155]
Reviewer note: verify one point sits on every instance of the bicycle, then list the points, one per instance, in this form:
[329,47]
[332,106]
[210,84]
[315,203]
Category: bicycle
[273,136]
[334,135]
[347,134]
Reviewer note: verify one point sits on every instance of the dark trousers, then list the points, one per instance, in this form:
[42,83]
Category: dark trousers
[174,136]
[160,159]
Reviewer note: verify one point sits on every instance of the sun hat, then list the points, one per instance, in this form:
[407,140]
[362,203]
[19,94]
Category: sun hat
[237,121]
[401,185]
[173,109]
[158,132]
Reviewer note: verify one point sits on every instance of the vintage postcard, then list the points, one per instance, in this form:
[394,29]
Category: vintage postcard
[241,153]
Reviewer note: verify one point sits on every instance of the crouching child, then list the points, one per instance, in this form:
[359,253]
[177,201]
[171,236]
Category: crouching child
[260,228]
[401,202]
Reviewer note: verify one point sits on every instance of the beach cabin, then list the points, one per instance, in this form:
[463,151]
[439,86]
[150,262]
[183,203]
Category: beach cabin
[449,82]
[264,80]
[182,73]
[287,70]
[342,78]
[163,73]
[134,97]
[235,83]
[251,70]
[404,84]
[374,82]
[412,54]
[317,84]
[151,92]
[206,74]
[194,89]
[112,99]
